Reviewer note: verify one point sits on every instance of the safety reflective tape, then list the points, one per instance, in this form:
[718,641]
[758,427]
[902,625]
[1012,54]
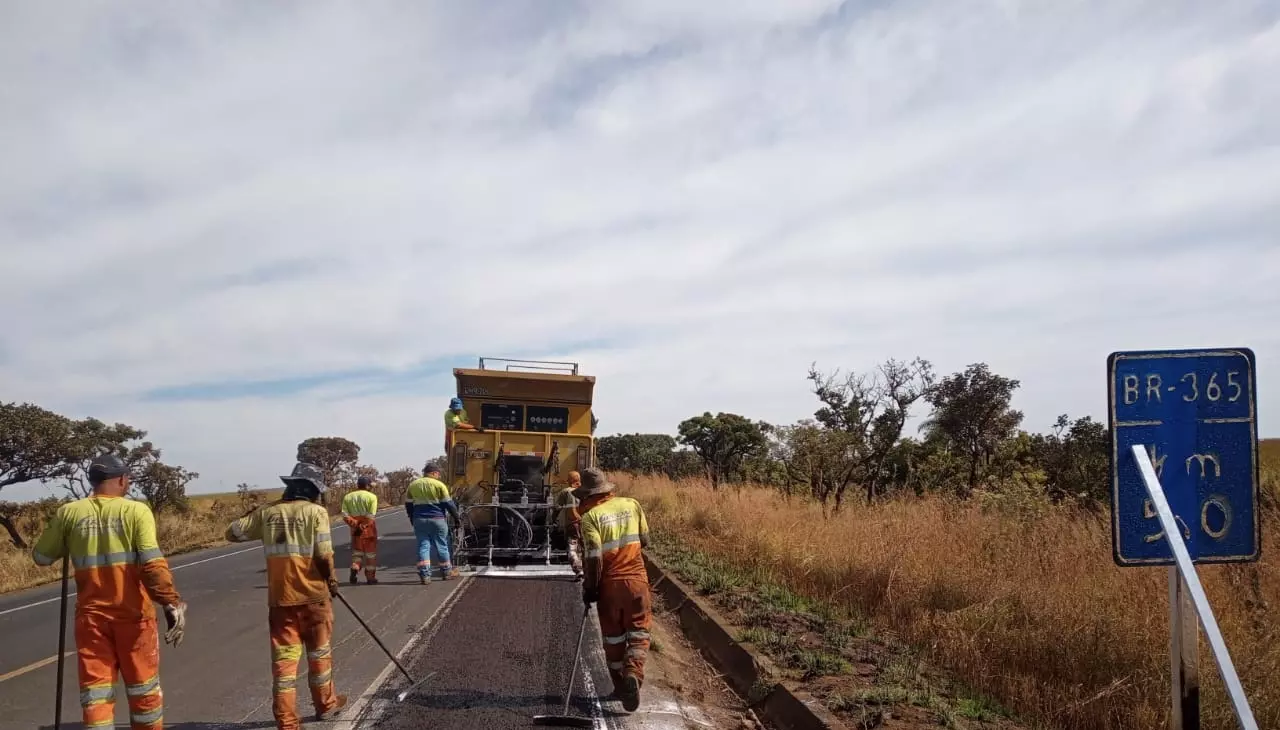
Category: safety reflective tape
[620,542]
[319,680]
[615,639]
[281,685]
[146,556]
[97,695]
[41,558]
[617,665]
[319,653]
[286,652]
[142,688]
[637,634]
[109,559]
[593,553]
[147,718]
[286,549]
[636,652]
[107,723]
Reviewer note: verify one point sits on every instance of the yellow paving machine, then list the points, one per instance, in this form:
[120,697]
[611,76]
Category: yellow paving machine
[535,425]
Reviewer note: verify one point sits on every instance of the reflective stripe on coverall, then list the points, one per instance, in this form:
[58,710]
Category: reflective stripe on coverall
[612,528]
[119,571]
[428,504]
[359,508]
[299,552]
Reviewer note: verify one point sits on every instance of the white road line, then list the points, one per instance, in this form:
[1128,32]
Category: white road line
[423,635]
[174,568]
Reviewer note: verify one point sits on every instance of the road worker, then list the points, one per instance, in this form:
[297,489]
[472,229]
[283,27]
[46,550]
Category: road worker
[301,579]
[567,517]
[614,531]
[455,419]
[359,510]
[119,572]
[429,505]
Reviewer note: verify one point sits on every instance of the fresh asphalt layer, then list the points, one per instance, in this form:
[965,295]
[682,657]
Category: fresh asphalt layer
[220,678]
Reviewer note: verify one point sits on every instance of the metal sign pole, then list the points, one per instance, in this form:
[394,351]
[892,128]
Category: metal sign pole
[1201,601]
[1184,665]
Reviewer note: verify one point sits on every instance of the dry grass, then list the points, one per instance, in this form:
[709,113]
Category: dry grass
[202,526]
[1022,604]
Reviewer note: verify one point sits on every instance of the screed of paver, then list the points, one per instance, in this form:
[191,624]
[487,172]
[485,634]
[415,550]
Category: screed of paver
[504,654]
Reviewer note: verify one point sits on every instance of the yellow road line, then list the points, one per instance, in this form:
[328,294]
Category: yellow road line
[32,667]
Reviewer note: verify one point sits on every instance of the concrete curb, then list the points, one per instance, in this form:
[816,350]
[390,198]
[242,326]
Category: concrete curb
[780,703]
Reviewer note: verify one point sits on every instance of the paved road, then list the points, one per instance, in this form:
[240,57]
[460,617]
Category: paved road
[220,678]
[501,650]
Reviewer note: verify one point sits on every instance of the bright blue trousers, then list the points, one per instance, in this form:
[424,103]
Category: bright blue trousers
[433,544]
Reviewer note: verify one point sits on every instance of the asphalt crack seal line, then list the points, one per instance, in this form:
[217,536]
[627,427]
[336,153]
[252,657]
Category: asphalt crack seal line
[366,709]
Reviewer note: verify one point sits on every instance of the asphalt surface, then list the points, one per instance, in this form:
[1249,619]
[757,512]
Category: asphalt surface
[220,678]
[502,652]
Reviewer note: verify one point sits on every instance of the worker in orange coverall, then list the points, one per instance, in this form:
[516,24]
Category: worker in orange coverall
[614,531]
[360,512]
[119,571]
[569,519]
[301,578]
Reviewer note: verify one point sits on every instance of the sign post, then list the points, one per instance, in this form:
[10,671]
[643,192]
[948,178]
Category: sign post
[1184,468]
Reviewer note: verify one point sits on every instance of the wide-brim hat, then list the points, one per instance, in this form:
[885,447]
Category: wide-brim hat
[304,473]
[593,483]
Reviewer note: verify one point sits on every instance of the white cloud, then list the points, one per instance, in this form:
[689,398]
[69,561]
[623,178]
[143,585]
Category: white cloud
[718,195]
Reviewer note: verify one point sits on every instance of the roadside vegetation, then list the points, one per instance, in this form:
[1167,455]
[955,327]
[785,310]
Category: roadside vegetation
[977,552]
[41,446]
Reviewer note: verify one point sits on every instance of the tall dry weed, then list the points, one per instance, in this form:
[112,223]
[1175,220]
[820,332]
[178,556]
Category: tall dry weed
[1022,602]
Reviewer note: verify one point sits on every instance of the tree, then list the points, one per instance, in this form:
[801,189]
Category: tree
[1075,458]
[636,452]
[34,444]
[722,442]
[972,410]
[398,482]
[870,411]
[335,456]
[92,438]
[162,485]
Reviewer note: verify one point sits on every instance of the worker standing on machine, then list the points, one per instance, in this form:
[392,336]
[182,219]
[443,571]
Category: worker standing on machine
[301,579]
[360,511]
[569,519]
[119,571]
[614,531]
[429,505]
[455,419]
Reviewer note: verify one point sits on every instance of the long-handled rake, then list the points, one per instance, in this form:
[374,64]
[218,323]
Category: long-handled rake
[413,684]
[62,644]
[566,718]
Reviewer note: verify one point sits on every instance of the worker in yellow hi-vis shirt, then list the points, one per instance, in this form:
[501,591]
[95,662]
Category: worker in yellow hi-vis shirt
[456,419]
[120,570]
[360,511]
[614,534]
[300,580]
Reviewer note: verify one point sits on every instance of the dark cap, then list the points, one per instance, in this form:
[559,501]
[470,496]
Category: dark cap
[107,466]
[363,482]
[431,468]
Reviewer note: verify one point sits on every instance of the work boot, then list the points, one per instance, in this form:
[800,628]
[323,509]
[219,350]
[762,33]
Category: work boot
[423,579]
[629,693]
[372,581]
[354,575]
[334,711]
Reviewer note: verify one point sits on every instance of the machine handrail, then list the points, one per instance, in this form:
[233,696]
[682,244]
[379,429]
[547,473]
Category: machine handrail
[572,367]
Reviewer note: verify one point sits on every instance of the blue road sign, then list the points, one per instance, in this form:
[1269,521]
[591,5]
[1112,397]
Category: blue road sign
[1195,411]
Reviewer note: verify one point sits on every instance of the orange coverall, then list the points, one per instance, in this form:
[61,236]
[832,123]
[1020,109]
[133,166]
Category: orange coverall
[300,568]
[119,571]
[360,511]
[613,530]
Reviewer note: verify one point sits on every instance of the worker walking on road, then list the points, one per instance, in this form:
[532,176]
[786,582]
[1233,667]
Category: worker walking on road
[359,511]
[119,572]
[614,531]
[429,505]
[301,578]
[568,519]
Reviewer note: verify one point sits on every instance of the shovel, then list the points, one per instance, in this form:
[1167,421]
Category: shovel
[567,719]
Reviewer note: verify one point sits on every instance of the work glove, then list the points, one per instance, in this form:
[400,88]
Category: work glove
[590,596]
[333,588]
[357,530]
[175,618]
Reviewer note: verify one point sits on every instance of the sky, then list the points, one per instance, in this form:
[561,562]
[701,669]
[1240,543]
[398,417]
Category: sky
[237,225]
